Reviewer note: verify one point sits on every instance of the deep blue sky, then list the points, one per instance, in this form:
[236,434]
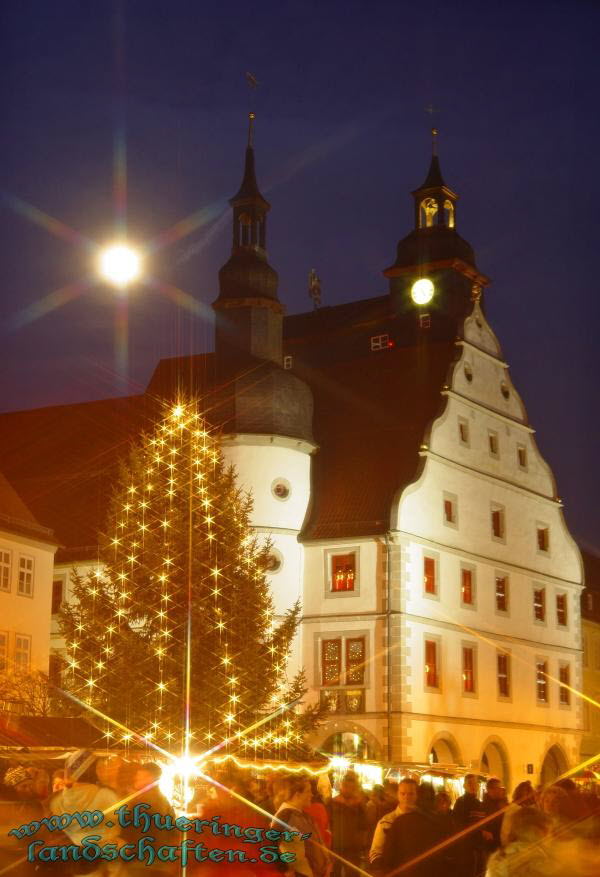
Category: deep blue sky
[342,137]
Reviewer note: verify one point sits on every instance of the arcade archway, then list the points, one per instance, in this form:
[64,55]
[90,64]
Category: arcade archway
[554,764]
[444,750]
[494,761]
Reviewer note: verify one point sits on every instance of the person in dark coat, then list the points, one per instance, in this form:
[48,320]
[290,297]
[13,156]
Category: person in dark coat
[411,835]
[468,811]
[349,827]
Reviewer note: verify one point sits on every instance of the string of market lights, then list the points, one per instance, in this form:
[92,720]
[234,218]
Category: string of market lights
[175,465]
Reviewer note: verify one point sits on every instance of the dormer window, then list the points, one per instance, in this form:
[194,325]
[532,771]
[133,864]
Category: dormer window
[380,342]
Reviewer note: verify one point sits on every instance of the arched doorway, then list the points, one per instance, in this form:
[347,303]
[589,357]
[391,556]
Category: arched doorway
[494,761]
[351,744]
[444,750]
[553,765]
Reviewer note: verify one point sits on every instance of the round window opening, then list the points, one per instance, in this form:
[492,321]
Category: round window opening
[274,561]
[504,389]
[468,372]
[281,489]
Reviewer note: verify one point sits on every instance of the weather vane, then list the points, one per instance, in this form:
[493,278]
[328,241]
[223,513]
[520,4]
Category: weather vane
[314,287]
[434,131]
[253,85]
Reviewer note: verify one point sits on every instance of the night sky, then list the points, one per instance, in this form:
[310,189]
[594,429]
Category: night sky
[342,136]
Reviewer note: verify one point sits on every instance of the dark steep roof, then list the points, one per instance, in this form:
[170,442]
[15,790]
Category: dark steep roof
[371,413]
[371,416]
[62,461]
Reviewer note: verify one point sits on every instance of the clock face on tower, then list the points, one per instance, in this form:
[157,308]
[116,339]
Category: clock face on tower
[422,291]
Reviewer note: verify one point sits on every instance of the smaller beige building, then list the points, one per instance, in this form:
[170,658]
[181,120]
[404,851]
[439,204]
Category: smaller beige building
[590,625]
[26,571]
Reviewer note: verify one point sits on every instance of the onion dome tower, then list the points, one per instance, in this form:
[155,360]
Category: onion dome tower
[435,253]
[249,326]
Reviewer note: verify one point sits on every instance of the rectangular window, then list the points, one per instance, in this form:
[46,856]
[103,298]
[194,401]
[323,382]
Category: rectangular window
[522,456]
[343,571]
[502,593]
[4,570]
[493,443]
[543,538]
[25,586]
[431,664]
[449,511]
[468,669]
[561,610]
[3,650]
[564,694]
[503,672]
[539,604]
[331,661]
[425,321]
[429,580]
[380,342]
[355,661]
[541,681]
[463,431]
[57,595]
[498,524]
[288,361]
[467,586]
[22,653]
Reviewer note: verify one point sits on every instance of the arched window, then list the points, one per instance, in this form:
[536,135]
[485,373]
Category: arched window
[449,214]
[428,212]
[245,226]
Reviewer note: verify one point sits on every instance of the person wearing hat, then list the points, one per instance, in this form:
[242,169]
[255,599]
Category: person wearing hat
[82,792]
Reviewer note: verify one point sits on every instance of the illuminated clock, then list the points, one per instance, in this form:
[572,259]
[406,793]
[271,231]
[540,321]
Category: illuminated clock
[422,291]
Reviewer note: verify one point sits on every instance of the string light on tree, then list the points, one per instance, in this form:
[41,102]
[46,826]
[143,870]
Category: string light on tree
[182,585]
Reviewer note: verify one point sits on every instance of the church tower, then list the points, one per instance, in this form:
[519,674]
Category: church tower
[435,267]
[267,410]
[249,315]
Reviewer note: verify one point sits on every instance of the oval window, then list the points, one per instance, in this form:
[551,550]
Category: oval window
[274,561]
[281,489]
[468,372]
[504,389]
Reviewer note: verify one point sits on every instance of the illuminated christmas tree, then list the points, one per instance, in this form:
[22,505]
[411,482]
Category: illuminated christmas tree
[174,634]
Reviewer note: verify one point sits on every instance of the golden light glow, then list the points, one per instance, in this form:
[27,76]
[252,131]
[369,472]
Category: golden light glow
[422,291]
[120,264]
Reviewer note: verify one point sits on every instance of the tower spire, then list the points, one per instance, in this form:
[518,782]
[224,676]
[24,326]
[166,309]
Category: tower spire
[251,118]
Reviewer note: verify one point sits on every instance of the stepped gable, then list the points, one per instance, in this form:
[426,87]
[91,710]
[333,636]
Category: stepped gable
[62,461]
[371,415]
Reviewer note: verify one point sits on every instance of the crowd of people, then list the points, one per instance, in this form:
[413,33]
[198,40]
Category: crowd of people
[405,828]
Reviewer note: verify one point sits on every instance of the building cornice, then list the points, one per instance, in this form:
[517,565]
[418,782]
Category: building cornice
[513,421]
[260,440]
[488,634]
[486,476]
[497,561]
[462,342]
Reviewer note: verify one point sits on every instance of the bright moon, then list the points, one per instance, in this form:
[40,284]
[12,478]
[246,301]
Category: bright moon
[422,291]
[120,265]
